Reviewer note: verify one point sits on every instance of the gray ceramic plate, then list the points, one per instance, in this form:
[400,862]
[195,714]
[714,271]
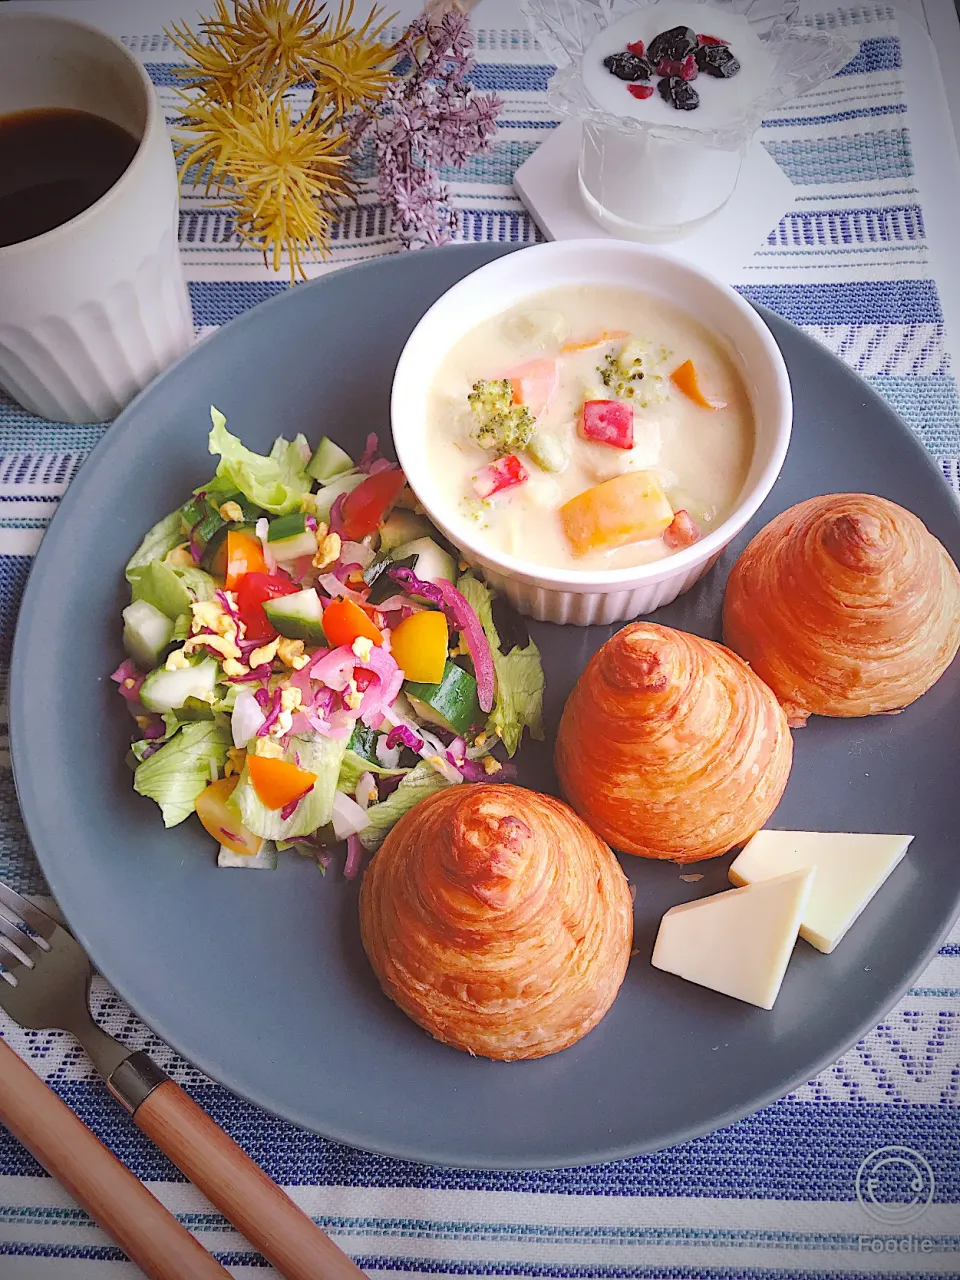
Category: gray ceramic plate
[260,978]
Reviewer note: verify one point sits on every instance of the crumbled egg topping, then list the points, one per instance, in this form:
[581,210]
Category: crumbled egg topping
[291,654]
[328,548]
[232,511]
[290,700]
[363,647]
[491,766]
[219,644]
[177,661]
[180,557]
[268,747]
[235,759]
[266,653]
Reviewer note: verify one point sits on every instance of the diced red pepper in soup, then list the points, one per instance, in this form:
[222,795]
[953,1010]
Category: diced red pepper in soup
[681,532]
[608,422]
[505,473]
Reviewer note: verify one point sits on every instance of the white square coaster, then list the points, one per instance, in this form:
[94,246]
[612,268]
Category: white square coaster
[547,184]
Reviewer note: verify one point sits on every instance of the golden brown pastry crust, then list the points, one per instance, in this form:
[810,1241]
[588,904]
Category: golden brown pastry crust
[497,920]
[670,747]
[846,605]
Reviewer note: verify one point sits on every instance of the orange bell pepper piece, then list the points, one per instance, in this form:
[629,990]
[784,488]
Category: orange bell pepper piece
[344,621]
[684,378]
[221,822]
[278,782]
[244,555]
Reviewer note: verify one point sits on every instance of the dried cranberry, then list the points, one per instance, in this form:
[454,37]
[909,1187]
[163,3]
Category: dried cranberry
[710,40]
[627,66]
[637,47]
[641,90]
[674,44]
[688,68]
[683,95]
[716,60]
[668,67]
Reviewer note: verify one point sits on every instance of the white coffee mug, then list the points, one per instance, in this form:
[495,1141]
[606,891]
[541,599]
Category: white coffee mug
[91,310]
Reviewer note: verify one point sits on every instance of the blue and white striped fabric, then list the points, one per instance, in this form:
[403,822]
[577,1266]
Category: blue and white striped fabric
[773,1196]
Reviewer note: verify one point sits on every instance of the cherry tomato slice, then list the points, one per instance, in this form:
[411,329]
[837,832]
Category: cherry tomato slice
[344,621]
[252,590]
[364,507]
[244,555]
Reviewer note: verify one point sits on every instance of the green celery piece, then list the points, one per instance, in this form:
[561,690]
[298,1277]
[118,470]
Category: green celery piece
[176,774]
[319,755]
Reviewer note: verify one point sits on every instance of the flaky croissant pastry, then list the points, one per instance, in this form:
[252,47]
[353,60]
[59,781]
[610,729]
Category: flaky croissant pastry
[670,747]
[497,921]
[846,606]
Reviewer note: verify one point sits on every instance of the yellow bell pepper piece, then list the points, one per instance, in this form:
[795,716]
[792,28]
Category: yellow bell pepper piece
[628,508]
[419,645]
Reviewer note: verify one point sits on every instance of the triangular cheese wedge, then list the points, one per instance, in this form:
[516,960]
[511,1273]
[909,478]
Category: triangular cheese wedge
[738,942]
[849,867]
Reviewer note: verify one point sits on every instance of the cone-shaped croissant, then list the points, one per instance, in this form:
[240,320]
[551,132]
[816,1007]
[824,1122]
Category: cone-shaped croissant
[670,747]
[846,606]
[497,921]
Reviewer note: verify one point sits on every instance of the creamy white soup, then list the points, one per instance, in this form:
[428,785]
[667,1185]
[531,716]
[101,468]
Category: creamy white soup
[590,428]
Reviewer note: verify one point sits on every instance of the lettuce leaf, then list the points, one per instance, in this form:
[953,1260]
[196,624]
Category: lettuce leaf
[176,774]
[160,586]
[419,783]
[519,701]
[276,483]
[197,581]
[322,756]
[157,542]
[355,766]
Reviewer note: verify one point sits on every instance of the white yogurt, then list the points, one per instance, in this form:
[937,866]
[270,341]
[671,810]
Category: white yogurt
[659,184]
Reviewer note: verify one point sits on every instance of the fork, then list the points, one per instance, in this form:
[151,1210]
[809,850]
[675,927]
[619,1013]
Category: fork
[46,984]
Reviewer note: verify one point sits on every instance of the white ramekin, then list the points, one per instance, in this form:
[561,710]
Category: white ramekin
[585,597]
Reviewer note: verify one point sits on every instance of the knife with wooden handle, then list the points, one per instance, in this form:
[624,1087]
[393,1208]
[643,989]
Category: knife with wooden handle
[147,1232]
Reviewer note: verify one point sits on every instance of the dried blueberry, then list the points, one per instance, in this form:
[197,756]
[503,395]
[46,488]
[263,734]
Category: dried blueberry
[682,94]
[627,66]
[674,44]
[717,60]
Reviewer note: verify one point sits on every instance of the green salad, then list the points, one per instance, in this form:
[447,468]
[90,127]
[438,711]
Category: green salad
[306,660]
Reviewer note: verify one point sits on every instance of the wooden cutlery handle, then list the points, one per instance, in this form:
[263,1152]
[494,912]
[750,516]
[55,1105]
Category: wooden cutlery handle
[147,1233]
[256,1206]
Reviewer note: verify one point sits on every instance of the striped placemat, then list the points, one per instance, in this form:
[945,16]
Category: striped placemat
[776,1194]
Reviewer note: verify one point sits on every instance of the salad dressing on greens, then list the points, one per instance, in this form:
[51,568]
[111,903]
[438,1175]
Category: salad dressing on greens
[305,660]
[589,428]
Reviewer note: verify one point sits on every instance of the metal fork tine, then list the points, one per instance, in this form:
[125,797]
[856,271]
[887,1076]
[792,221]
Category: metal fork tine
[31,916]
[17,942]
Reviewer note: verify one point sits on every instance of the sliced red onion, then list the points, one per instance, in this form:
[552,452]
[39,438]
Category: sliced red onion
[336,516]
[263,698]
[310,522]
[127,671]
[403,735]
[334,667]
[371,452]
[348,816]
[366,791]
[358,552]
[147,752]
[473,771]
[381,464]
[343,569]
[263,527]
[247,718]
[351,867]
[334,587]
[460,613]
[271,714]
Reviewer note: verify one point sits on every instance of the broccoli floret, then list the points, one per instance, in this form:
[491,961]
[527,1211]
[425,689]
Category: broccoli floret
[622,374]
[501,424]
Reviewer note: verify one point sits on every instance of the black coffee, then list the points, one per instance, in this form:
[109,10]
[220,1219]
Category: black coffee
[54,163]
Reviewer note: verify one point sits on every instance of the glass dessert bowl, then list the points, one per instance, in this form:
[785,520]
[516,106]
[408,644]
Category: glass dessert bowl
[670,93]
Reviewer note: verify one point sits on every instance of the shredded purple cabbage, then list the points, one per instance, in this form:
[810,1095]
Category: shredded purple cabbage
[289,808]
[403,735]
[272,713]
[263,672]
[354,855]
[387,786]
[343,571]
[229,609]
[156,728]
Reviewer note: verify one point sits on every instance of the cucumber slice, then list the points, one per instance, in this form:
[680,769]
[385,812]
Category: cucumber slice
[328,495]
[403,526]
[146,633]
[451,704]
[157,583]
[298,616]
[289,538]
[329,460]
[165,690]
[432,562]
